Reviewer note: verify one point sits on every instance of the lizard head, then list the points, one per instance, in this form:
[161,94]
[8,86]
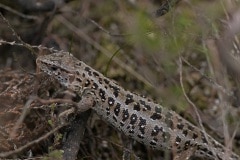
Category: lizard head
[59,65]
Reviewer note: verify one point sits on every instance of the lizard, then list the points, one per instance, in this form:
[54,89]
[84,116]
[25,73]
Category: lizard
[137,117]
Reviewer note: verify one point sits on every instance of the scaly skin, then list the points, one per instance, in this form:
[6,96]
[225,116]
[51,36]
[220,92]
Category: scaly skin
[137,117]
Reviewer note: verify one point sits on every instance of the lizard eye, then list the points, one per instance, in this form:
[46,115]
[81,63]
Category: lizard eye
[54,68]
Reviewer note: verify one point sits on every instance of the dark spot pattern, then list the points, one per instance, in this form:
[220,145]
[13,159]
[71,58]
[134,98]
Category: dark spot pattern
[131,131]
[156,116]
[79,80]
[78,64]
[100,81]
[156,130]
[185,132]
[108,110]
[187,145]
[115,93]
[210,153]
[204,149]
[145,106]
[125,115]
[133,119]
[88,70]
[142,125]
[136,107]
[195,136]
[115,89]
[78,73]
[155,139]
[180,126]
[190,128]
[121,124]
[95,74]
[129,99]
[87,83]
[179,148]
[117,109]
[102,94]
[111,101]
[178,140]
[153,143]
[140,136]
[95,86]
[106,81]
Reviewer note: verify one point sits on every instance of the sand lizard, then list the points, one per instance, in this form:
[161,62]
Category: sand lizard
[137,117]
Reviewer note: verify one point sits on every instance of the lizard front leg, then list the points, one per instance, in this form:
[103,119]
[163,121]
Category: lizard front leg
[88,100]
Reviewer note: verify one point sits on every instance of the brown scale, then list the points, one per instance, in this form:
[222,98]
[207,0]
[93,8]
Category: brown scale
[137,117]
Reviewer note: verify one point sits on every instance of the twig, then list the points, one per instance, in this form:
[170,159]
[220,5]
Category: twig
[225,45]
[27,106]
[40,47]
[95,44]
[7,154]
[75,136]
[18,13]
[57,100]
[21,118]
[28,46]
[192,104]
[106,31]
[208,78]
[110,60]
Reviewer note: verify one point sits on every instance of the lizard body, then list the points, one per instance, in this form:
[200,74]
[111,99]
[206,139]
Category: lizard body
[137,117]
